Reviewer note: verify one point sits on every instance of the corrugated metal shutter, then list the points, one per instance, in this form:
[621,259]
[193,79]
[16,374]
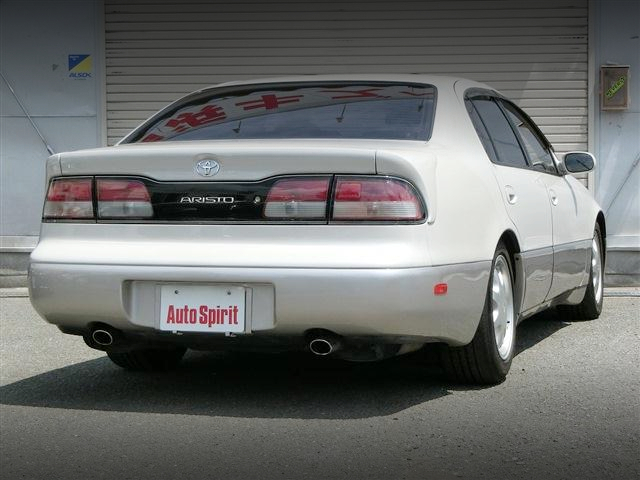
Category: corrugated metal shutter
[534,52]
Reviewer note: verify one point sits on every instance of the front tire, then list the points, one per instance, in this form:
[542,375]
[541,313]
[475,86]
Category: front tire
[487,359]
[148,359]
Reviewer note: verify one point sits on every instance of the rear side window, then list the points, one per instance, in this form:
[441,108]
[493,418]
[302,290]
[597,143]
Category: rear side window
[537,151]
[373,110]
[481,131]
[506,148]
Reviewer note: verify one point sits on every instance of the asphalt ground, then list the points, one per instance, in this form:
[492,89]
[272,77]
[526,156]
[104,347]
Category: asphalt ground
[569,409]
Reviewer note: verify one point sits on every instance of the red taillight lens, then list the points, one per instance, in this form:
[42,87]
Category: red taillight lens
[377,199]
[123,198]
[119,190]
[69,199]
[299,198]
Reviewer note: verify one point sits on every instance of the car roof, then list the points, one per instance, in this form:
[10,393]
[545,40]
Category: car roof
[439,81]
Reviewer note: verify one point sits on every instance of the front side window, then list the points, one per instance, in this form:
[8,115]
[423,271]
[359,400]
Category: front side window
[504,141]
[374,110]
[539,154]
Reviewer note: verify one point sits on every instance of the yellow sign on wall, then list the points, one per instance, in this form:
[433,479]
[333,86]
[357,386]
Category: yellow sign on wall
[80,66]
[614,87]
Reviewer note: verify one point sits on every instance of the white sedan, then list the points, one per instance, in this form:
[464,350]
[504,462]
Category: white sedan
[360,217]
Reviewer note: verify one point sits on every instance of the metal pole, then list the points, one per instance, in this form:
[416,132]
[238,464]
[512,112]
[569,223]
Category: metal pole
[626,179]
[35,127]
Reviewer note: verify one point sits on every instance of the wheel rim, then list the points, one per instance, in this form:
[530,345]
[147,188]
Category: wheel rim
[502,307]
[596,269]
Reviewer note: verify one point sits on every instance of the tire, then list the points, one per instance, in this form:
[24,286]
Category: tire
[148,359]
[487,359]
[591,306]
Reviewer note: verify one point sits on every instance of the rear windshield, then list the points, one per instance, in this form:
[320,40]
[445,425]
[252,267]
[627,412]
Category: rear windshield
[369,110]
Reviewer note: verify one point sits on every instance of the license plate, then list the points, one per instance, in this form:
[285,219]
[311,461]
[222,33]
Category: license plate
[202,308]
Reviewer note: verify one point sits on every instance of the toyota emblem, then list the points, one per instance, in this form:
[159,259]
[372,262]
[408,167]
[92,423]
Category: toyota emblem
[207,168]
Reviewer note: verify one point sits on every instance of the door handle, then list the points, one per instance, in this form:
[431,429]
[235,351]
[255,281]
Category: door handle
[512,198]
[554,197]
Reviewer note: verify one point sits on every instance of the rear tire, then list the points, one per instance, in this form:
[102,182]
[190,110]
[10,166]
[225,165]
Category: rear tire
[591,306]
[487,359]
[148,359]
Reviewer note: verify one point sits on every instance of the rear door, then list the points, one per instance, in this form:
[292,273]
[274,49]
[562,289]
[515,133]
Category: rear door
[524,193]
[570,252]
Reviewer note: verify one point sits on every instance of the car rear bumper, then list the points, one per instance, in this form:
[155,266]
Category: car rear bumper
[394,302]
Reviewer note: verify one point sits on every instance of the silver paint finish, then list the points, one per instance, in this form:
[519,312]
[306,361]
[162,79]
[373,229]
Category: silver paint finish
[570,266]
[576,296]
[538,272]
[238,161]
[285,301]
[268,246]
[354,279]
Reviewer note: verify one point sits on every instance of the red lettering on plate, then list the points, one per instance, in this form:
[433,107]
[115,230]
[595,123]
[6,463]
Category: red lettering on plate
[269,102]
[204,317]
[171,316]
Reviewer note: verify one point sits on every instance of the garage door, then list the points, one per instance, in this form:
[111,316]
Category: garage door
[533,52]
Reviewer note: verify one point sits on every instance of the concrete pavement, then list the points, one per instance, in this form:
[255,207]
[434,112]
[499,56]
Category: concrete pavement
[569,409]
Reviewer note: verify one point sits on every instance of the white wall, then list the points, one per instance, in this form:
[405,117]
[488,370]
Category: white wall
[36,38]
[617,135]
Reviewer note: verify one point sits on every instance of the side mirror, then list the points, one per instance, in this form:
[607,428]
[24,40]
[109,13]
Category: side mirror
[579,162]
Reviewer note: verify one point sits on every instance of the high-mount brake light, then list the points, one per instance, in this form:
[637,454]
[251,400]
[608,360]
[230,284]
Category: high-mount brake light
[69,199]
[375,199]
[123,198]
[298,199]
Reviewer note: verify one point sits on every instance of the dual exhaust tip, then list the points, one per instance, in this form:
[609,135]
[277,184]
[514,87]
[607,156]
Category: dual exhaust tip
[321,346]
[324,345]
[103,337]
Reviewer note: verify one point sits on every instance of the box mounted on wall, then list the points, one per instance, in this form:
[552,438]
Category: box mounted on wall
[614,87]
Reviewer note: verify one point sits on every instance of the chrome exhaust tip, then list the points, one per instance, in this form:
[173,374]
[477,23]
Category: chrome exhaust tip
[322,346]
[104,338]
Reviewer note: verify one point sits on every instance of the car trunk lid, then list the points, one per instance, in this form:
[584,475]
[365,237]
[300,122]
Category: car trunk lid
[249,160]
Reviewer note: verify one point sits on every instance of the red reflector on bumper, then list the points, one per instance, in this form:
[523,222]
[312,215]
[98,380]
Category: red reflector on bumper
[440,289]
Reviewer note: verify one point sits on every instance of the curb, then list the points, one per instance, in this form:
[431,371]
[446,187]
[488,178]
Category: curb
[16,292]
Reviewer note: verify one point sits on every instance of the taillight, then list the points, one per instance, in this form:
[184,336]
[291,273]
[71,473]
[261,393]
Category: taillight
[375,199]
[123,198]
[298,199]
[69,199]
